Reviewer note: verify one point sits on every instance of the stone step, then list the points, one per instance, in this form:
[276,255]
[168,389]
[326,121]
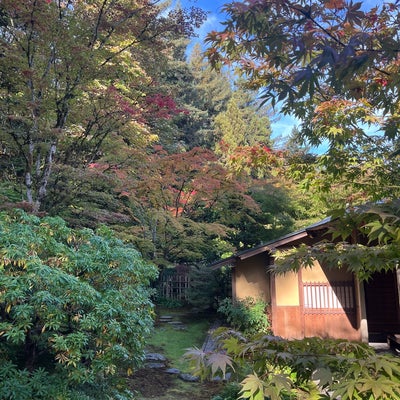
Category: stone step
[165,318]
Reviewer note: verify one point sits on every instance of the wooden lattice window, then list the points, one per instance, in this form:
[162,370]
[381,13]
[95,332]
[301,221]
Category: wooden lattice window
[325,297]
[174,284]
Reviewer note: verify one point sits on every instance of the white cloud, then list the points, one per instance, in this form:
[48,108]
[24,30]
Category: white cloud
[283,126]
[212,23]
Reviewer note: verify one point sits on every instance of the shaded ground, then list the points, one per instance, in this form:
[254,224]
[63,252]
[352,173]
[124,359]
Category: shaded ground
[174,334]
[156,384]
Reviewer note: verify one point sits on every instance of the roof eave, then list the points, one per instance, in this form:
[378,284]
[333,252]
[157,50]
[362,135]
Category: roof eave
[269,247]
[223,263]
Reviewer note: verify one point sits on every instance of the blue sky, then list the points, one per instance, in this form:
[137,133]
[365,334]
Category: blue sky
[213,7]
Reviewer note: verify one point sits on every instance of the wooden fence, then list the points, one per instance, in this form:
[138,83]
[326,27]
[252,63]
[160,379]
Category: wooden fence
[173,283]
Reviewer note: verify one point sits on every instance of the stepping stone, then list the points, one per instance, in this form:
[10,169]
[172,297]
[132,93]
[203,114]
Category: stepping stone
[165,318]
[221,379]
[155,365]
[189,378]
[173,371]
[155,357]
[178,325]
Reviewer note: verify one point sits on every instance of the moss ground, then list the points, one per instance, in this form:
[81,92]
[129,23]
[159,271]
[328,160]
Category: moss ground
[172,341]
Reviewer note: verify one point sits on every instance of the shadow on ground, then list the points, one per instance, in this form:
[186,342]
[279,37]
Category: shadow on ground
[157,380]
[156,384]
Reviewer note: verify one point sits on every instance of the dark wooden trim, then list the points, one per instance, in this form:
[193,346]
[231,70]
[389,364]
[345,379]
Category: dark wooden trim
[273,302]
[301,301]
[233,284]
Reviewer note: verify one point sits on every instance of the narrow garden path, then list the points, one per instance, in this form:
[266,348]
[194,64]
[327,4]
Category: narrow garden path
[160,379]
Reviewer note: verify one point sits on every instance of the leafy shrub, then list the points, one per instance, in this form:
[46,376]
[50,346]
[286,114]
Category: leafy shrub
[166,302]
[74,310]
[231,391]
[310,368]
[248,315]
[208,286]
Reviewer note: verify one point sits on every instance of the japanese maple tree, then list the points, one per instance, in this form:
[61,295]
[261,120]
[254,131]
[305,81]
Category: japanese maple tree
[184,204]
[72,76]
[334,65]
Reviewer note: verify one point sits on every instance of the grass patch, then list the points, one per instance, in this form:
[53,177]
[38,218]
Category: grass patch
[173,342]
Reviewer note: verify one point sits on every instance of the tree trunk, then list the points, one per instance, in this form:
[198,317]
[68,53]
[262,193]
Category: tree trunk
[28,172]
[44,180]
[29,353]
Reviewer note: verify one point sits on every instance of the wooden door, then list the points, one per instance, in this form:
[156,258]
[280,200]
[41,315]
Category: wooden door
[382,305]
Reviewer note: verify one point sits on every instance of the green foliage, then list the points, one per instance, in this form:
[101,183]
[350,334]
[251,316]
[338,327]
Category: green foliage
[173,342]
[283,209]
[85,198]
[374,249]
[247,315]
[166,302]
[333,65]
[200,93]
[74,80]
[208,286]
[74,307]
[231,391]
[310,368]
[242,123]
[21,384]
[213,91]
[376,377]
[208,364]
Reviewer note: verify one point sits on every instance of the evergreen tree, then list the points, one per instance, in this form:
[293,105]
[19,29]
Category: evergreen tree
[199,92]
[243,123]
[213,93]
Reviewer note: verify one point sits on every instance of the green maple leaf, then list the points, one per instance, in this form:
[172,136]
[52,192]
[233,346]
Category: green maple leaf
[335,131]
[282,382]
[386,365]
[232,345]
[252,388]
[375,386]
[195,356]
[219,361]
[380,388]
[323,375]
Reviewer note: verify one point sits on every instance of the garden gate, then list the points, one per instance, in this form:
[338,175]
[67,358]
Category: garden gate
[174,283]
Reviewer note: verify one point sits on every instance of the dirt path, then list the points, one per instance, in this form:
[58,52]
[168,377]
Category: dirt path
[154,384]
